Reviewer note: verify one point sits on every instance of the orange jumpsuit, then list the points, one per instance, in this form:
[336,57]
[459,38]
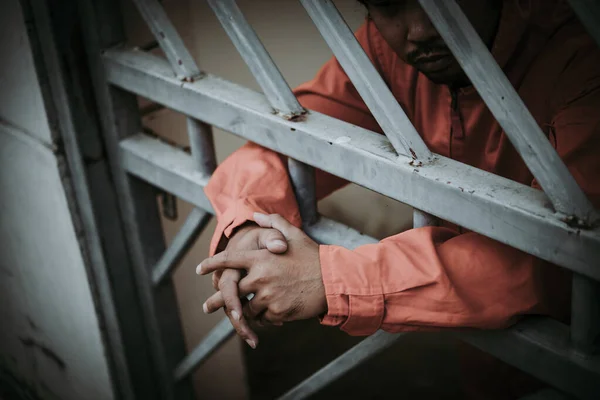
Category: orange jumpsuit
[442,277]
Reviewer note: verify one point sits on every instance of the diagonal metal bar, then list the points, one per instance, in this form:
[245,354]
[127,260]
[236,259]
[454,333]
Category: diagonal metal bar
[509,110]
[588,12]
[191,228]
[360,353]
[216,337]
[375,93]
[257,58]
[169,40]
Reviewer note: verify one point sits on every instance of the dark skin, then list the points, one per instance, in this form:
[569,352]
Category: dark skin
[278,262]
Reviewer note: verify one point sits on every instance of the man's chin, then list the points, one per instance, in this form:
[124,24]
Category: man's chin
[448,77]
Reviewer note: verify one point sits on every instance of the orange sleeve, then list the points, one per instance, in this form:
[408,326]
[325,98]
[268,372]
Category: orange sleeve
[434,278]
[255,179]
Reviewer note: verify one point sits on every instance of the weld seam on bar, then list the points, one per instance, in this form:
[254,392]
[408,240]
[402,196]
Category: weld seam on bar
[501,209]
[510,111]
[183,240]
[588,12]
[360,353]
[166,35]
[216,337]
[257,58]
[369,83]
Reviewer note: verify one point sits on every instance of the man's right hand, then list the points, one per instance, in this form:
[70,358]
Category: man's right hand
[248,237]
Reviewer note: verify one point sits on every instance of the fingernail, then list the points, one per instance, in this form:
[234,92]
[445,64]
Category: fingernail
[251,343]
[205,308]
[235,315]
[199,269]
[279,243]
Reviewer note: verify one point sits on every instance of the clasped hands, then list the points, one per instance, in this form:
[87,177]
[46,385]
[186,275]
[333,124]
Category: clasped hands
[277,263]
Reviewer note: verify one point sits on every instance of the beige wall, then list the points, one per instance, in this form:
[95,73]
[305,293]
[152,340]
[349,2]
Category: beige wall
[299,51]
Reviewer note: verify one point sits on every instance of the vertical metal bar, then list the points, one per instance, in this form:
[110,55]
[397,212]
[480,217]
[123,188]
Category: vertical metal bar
[303,181]
[165,33]
[509,110]
[585,314]
[202,145]
[375,93]
[360,353]
[588,12]
[137,204]
[257,58]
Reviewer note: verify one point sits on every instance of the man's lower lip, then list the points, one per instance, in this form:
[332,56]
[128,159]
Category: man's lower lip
[434,65]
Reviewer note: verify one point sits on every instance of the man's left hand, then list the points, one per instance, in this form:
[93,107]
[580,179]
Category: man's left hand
[286,286]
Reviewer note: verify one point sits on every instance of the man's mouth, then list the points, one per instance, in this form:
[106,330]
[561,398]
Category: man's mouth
[433,62]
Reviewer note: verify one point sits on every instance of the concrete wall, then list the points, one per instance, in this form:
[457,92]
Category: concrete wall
[299,51]
[49,333]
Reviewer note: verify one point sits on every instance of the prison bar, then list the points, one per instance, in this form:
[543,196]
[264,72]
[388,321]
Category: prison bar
[369,84]
[502,209]
[539,346]
[170,42]
[509,110]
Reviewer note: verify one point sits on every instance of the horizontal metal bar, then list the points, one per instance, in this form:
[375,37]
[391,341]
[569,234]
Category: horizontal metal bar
[215,338]
[504,210]
[510,111]
[538,342]
[540,346]
[183,240]
[588,12]
[257,58]
[166,35]
[360,353]
[369,83]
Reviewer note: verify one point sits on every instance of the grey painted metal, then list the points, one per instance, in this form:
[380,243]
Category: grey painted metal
[137,206]
[302,177]
[588,12]
[183,240]
[421,219]
[369,83]
[585,314]
[509,110]
[257,58]
[202,146]
[169,40]
[215,338]
[360,353]
[504,210]
[539,345]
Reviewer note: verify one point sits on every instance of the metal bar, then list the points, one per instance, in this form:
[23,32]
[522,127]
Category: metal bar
[165,33]
[303,181]
[541,345]
[360,353]
[585,314]
[118,114]
[257,58]
[191,228]
[216,337]
[369,83]
[588,12]
[421,219]
[202,146]
[510,111]
[499,208]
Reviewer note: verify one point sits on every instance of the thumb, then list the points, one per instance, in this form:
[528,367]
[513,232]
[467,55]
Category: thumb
[272,240]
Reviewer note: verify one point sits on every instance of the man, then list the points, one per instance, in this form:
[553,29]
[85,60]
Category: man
[426,278]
